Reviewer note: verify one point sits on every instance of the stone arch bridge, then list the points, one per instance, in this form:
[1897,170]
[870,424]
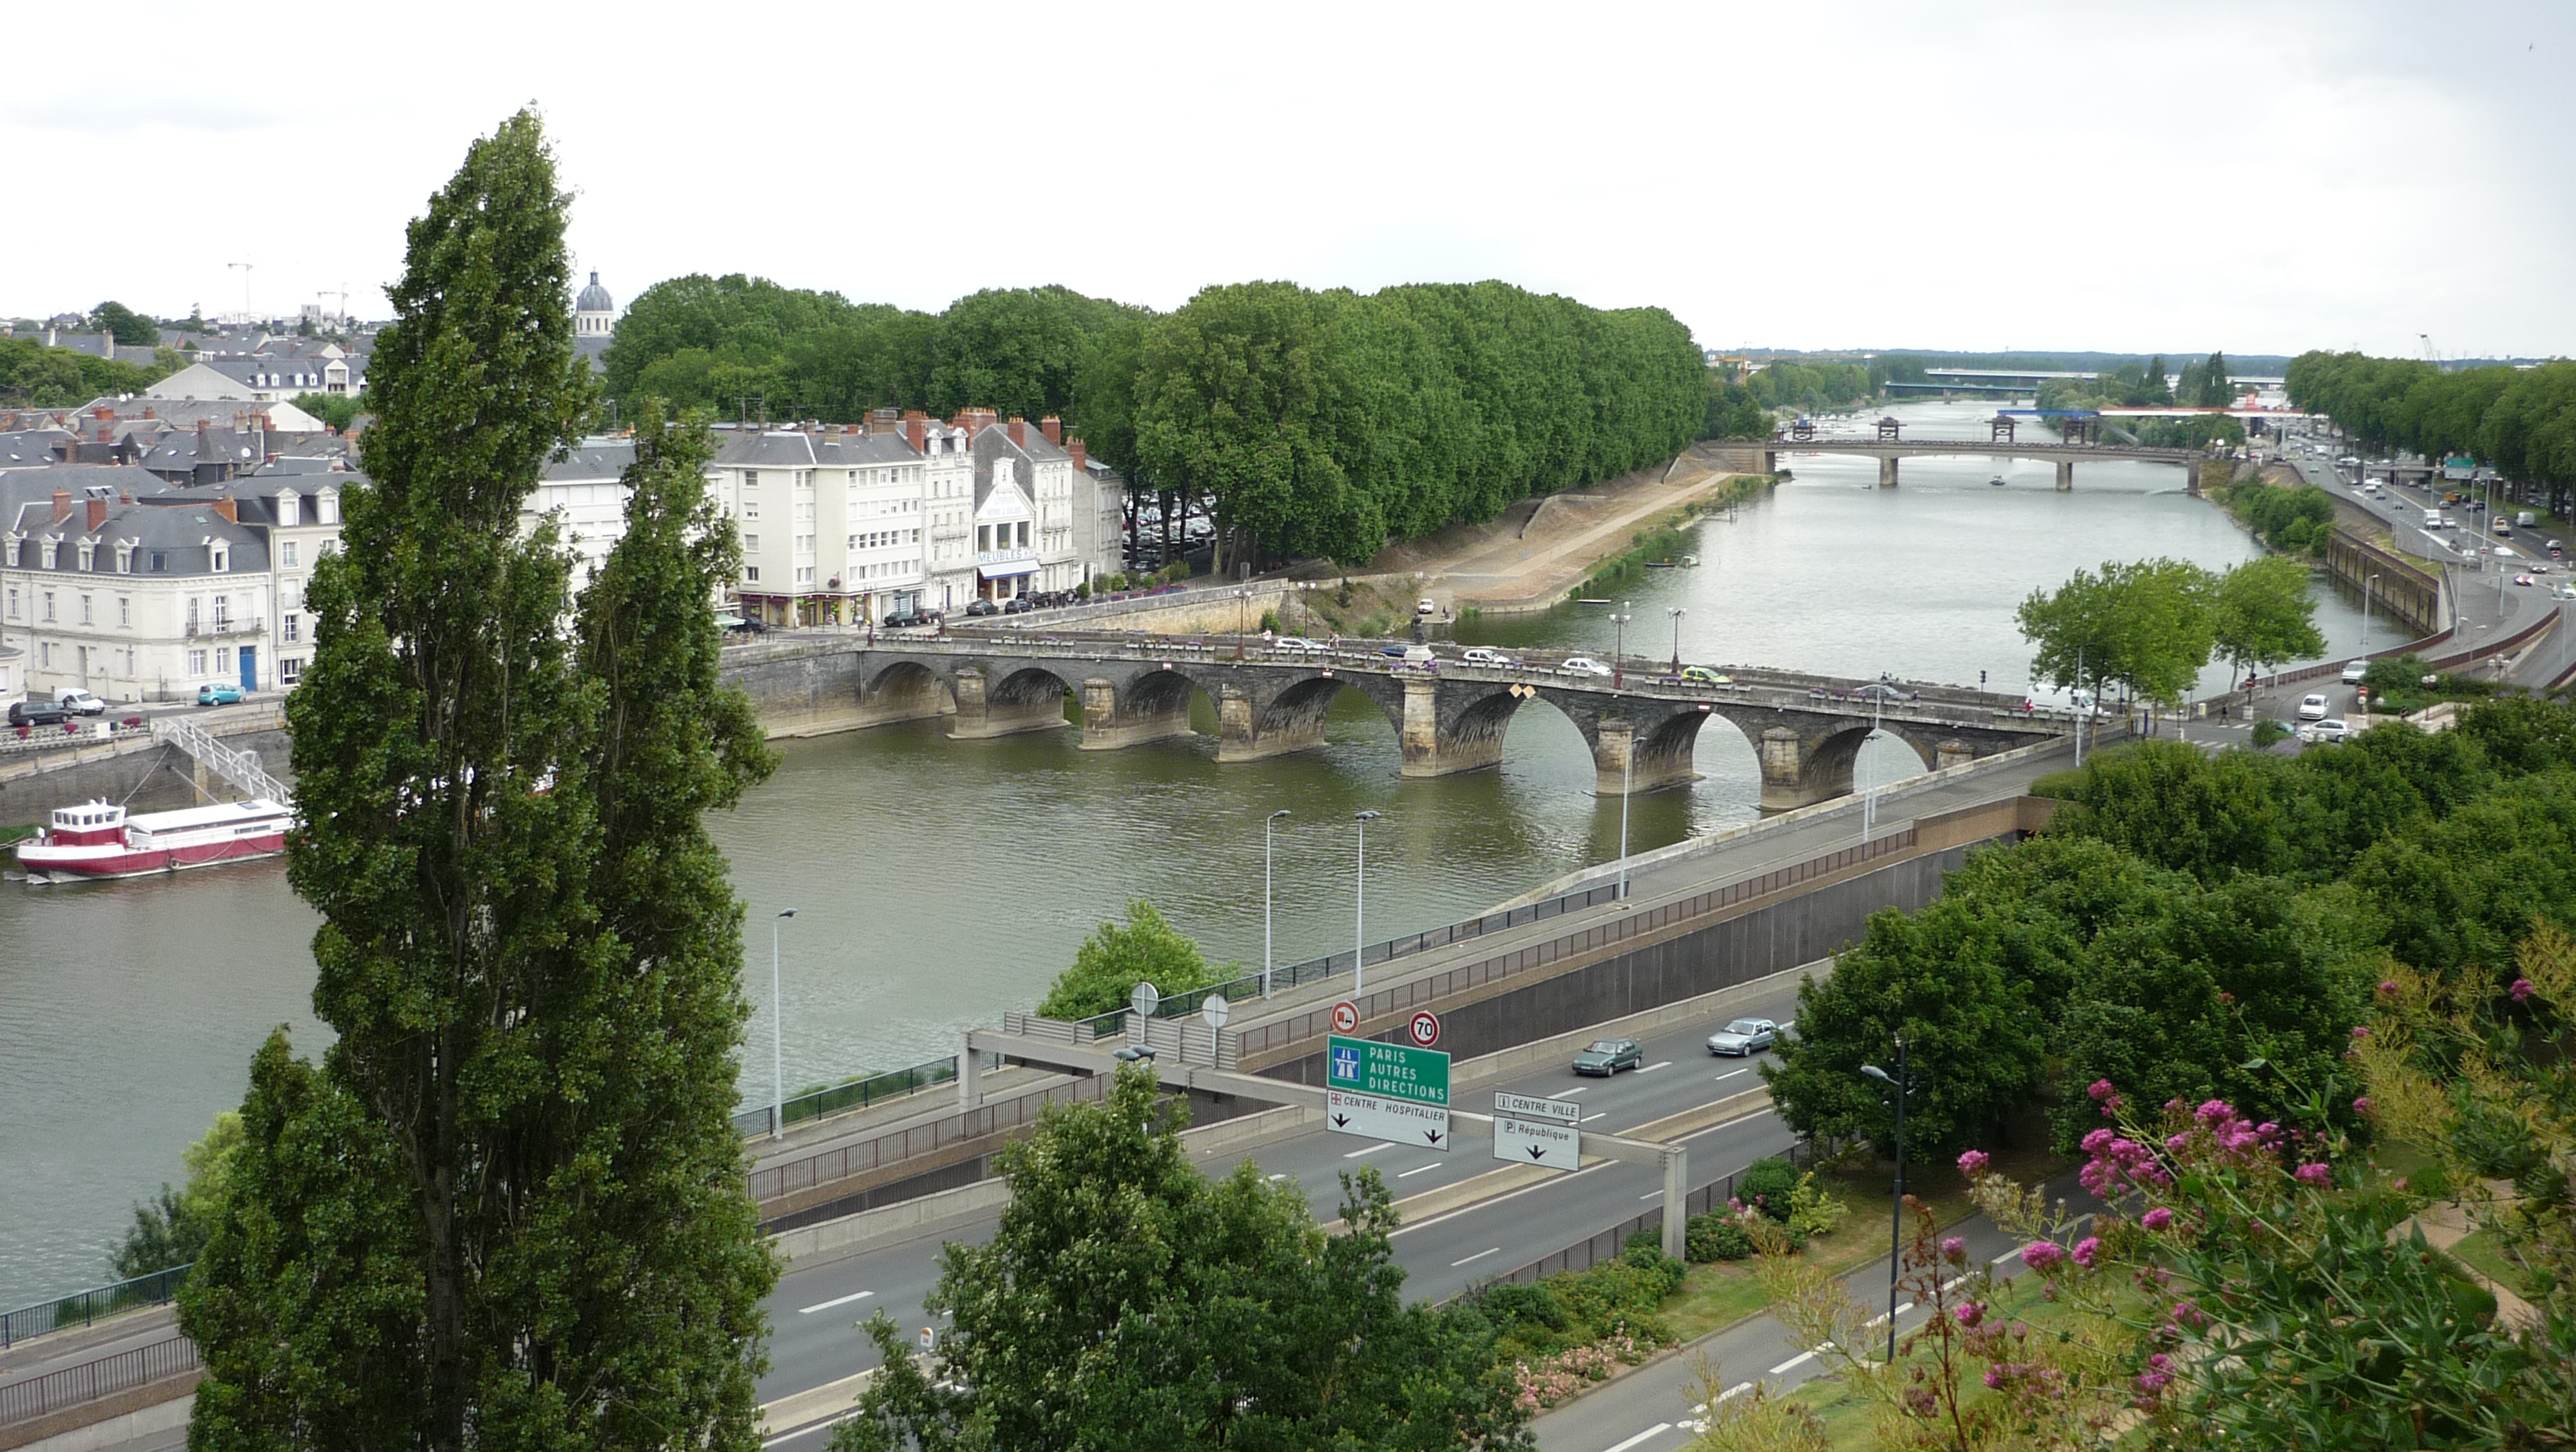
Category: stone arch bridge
[1806,730]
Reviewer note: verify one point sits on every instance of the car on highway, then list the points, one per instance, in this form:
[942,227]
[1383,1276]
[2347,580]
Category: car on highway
[1744,1036]
[1881,691]
[1608,1056]
[2564,592]
[1298,643]
[2523,580]
[1394,650]
[1583,665]
[2313,707]
[2354,670]
[1484,655]
[1703,676]
[2331,732]
[79,702]
[218,695]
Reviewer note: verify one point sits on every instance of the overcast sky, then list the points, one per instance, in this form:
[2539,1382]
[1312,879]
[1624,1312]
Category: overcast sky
[2181,177]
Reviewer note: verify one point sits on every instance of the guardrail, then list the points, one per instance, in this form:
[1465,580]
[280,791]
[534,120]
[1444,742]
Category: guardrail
[858,1093]
[994,1116]
[39,1396]
[81,1308]
[1606,1245]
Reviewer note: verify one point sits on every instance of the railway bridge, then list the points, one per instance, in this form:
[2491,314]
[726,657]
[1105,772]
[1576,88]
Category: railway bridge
[1806,730]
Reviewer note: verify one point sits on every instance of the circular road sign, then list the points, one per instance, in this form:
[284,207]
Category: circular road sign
[1213,1009]
[1144,1000]
[1424,1029]
[1346,1017]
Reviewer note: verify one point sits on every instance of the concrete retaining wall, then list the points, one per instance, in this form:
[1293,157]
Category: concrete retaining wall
[147,778]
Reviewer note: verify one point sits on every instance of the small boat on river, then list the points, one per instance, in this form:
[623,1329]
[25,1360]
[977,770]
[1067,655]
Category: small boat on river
[97,839]
[1997,481]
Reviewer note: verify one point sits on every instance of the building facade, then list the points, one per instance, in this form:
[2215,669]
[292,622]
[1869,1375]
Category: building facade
[135,601]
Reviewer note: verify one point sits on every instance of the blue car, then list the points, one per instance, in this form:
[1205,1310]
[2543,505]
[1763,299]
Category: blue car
[218,695]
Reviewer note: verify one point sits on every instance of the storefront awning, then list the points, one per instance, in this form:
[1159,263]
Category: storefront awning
[1005,571]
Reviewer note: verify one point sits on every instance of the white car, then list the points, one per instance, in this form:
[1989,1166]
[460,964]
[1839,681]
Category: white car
[1584,665]
[1298,643]
[1484,655]
[2313,708]
[2327,733]
[79,702]
[2354,670]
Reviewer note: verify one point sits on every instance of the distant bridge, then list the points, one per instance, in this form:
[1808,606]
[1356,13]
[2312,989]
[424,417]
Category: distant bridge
[1806,730]
[1887,450]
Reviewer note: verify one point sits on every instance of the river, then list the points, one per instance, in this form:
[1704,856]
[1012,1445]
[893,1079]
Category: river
[937,883]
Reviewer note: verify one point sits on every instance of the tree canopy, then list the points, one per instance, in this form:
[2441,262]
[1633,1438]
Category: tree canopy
[129,328]
[2521,420]
[2144,625]
[1118,956]
[35,376]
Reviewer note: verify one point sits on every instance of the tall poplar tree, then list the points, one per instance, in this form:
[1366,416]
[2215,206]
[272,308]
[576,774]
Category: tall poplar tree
[529,949]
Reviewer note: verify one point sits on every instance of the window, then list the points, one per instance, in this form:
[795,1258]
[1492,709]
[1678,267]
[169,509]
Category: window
[49,604]
[223,660]
[805,574]
[751,574]
[854,542]
[124,610]
[45,653]
[156,561]
[804,544]
[85,615]
[750,542]
[286,627]
[223,612]
[288,509]
[328,504]
[1024,534]
[286,554]
[223,559]
[196,662]
[13,602]
[88,555]
[750,507]
[129,660]
[290,669]
[750,482]
[983,537]
[125,559]
[50,547]
[13,552]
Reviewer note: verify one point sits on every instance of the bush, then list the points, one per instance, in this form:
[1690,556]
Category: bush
[1270,622]
[1082,590]
[1813,1210]
[1115,958]
[2265,733]
[1718,1235]
[1768,1185]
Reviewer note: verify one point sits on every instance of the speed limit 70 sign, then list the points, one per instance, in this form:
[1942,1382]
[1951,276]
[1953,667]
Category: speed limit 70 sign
[1424,1029]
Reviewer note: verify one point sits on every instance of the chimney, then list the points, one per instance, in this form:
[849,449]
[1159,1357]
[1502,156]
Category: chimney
[225,506]
[1053,428]
[202,421]
[147,411]
[125,496]
[917,429]
[102,412]
[97,514]
[1019,433]
[1081,457]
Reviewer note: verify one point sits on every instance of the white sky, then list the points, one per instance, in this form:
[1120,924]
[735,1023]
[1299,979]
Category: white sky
[2143,176]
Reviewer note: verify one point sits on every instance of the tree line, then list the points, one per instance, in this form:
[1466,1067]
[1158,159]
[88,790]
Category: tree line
[1304,422]
[2520,420]
[2150,626]
[35,376]
[1740,403]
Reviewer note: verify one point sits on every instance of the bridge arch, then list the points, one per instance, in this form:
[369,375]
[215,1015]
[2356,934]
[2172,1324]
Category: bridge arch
[907,687]
[1003,698]
[1262,717]
[1125,709]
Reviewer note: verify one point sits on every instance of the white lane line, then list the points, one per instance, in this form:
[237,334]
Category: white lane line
[1737,1390]
[1793,1363]
[1587,1119]
[1731,1073]
[1571,1093]
[1656,1430]
[1881,1318]
[1409,1174]
[1274,1179]
[1652,1195]
[1952,1284]
[1370,1149]
[2012,1254]
[827,1305]
[1650,1068]
[1479,1255]
[1441,1219]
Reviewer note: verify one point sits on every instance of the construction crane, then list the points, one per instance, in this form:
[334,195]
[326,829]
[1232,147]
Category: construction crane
[2429,355]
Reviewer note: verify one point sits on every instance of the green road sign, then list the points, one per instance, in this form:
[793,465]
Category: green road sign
[1388,1071]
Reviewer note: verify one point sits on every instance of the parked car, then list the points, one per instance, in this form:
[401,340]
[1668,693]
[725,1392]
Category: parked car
[1608,1056]
[2313,707]
[37,713]
[1744,1036]
[2327,733]
[1425,606]
[79,702]
[219,695]
[1484,655]
[1298,643]
[1018,605]
[1396,651]
[2354,670]
[981,608]
[1583,665]
[1881,691]
[2554,548]
[1703,676]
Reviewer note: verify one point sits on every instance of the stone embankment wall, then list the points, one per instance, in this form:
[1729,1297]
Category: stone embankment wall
[2402,590]
[144,775]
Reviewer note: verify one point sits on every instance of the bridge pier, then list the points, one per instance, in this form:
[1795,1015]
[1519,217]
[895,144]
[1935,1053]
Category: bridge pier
[1251,727]
[2191,476]
[1622,761]
[2065,475]
[983,712]
[1887,472]
[1109,723]
[1472,743]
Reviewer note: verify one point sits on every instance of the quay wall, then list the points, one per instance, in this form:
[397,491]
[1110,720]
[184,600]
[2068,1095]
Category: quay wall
[145,775]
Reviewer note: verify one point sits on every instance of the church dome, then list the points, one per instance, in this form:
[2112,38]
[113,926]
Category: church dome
[594,298]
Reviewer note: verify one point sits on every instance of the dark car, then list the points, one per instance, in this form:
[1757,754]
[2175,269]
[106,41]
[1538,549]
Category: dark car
[1018,605]
[37,713]
[1135,1053]
[981,608]
[1608,1056]
[1394,650]
[1880,691]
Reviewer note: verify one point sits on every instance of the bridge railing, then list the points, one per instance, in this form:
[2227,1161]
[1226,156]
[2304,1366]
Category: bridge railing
[80,1308]
[38,1396]
[856,1093]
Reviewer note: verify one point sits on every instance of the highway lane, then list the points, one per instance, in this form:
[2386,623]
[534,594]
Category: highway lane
[815,1306]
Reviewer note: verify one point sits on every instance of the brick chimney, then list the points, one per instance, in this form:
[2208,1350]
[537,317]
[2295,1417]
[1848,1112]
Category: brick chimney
[1053,428]
[1019,431]
[1081,457]
[62,505]
[147,411]
[225,506]
[917,432]
[97,514]
[102,411]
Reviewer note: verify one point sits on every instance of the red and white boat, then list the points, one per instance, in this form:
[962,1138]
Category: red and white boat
[97,839]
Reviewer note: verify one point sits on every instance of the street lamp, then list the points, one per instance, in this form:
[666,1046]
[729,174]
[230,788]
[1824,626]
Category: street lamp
[1627,789]
[1265,898]
[1677,612]
[1619,647]
[1242,609]
[1896,1238]
[2366,582]
[1359,912]
[777,1035]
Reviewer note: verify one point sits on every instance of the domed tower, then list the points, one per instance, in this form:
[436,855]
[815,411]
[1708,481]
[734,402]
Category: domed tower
[594,313]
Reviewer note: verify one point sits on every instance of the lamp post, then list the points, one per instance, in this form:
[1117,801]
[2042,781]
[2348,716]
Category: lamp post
[1677,612]
[1869,793]
[1242,609]
[1619,647]
[1627,789]
[1896,1236]
[1265,898]
[777,1035]
[2366,582]
[1359,911]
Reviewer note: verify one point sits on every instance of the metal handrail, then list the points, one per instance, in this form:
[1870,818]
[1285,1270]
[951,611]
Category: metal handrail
[37,1396]
[81,1308]
[241,768]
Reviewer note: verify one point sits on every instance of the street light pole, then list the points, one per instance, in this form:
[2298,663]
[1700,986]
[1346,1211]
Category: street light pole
[1627,789]
[1265,898]
[1677,612]
[777,1035]
[1242,610]
[2366,582]
[1619,647]
[1359,912]
[1896,1233]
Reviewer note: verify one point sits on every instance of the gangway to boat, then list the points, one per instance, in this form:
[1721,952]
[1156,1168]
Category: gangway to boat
[239,768]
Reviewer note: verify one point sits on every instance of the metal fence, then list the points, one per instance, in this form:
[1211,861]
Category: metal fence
[1605,1245]
[38,1396]
[994,1116]
[856,1094]
[83,1307]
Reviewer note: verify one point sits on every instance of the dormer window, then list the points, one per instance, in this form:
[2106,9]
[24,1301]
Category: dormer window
[13,551]
[223,559]
[125,559]
[88,556]
[289,504]
[328,502]
[50,549]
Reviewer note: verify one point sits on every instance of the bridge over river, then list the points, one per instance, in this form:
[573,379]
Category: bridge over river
[1888,450]
[1641,729]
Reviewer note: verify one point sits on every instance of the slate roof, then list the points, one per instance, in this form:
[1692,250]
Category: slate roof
[594,298]
[593,459]
[30,448]
[180,534]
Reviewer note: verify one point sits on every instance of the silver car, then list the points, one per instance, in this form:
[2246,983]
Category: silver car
[1744,1036]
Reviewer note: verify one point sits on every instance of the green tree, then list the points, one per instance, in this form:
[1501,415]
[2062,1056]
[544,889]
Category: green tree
[336,410]
[172,1229]
[35,376]
[532,1213]
[129,328]
[1117,957]
[2144,625]
[1126,1301]
[2260,615]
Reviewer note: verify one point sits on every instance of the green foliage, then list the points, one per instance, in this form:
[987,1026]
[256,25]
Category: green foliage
[2260,615]
[1578,1308]
[1766,1185]
[173,1227]
[2146,625]
[2266,732]
[1740,404]
[1269,622]
[508,1207]
[2521,420]
[129,328]
[35,376]
[1117,957]
[2295,521]
[1127,1301]
[336,410]
[1815,1210]
[1717,1235]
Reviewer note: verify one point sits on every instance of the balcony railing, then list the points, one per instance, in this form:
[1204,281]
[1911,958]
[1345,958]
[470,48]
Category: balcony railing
[223,625]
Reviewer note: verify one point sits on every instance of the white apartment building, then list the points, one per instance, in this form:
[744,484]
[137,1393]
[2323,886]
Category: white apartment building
[832,524]
[949,512]
[585,491]
[300,514]
[134,601]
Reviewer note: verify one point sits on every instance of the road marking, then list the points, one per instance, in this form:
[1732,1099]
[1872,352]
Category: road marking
[1604,1114]
[2012,1254]
[1656,1430]
[1722,1078]
[1952,1284]
[1737,1390]
[1793,1363]
[1409,1174]
[1652,1195]
[843,1301]
[1650,1068]
[1479,1255]
[1881,1318]
[1570,1093]
[1370,1149]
